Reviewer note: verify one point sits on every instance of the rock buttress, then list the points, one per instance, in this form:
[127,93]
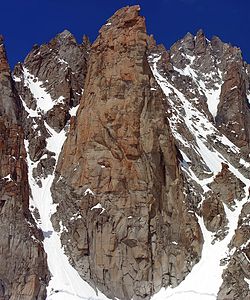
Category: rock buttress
[23,268]
[118,187]
[58,70]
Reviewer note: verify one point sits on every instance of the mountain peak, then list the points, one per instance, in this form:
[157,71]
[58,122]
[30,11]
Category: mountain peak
[65,33]
[200,42]
[126,16]
[4,65]
[65,37]
[200,32]
[142,156]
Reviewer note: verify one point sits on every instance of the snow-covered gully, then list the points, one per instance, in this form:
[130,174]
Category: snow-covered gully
[206,277]
[204,281]
[65,283]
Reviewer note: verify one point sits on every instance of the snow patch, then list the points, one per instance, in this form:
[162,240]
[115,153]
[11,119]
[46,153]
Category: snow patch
[88,192]
[62,61]
[73,110]
[248,98]
[8,178]
[244,163]
[97,206]
[60,99]
[43,98]
[16,79]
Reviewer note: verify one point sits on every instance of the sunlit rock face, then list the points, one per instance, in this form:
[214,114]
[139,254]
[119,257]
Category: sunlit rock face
[140,158]
[207,88]
[120,147]
[23,268]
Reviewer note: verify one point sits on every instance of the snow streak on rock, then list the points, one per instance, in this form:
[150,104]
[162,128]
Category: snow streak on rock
[65,283]
[212,95]
[205,279]
[43,99]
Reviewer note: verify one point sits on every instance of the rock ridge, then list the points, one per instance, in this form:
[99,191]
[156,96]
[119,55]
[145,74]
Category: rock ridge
[121,158]
[152,179]
[23,269]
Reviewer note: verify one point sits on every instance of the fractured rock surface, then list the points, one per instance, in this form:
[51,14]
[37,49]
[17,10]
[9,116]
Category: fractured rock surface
[50,83]
[23,269]
[120,148]
[155,165]
[213,77]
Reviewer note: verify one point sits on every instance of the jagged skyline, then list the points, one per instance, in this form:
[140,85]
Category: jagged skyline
[125,168]
[168,20]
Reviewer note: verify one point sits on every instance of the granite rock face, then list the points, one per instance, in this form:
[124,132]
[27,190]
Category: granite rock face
[50,84]
[154,174]
[207,88]
[23,269]
[234,284]
[118,185]
[233,116]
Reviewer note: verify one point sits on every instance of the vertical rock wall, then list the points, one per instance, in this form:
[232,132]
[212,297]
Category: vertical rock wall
[118,187]
[23,268]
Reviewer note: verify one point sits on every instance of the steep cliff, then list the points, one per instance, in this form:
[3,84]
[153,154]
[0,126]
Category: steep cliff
[128,164]
[23,268]
[120,194]
[50,84]
[206,85]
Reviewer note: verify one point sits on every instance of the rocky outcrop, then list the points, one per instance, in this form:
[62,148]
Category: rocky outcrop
[206,84]
[225,189]
[214,215]
[228,187]
[9,107]
[50,83]
[23,268]
[234,276]
[233,116]
[118,185]
[159,143]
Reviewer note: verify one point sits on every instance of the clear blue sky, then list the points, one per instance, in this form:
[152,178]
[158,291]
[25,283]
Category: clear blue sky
[26,22]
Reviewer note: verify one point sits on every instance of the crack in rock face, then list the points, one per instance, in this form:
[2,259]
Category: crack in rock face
[121,125]
[124,168]
[23,268]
